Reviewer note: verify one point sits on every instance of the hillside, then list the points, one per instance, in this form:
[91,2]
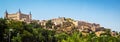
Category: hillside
[55,30]
[69,25]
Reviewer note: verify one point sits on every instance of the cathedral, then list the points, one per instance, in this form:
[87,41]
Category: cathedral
[19,16]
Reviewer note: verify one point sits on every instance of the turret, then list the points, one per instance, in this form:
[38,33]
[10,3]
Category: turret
[19,14]
[30,16]
[19,11]
[5,14]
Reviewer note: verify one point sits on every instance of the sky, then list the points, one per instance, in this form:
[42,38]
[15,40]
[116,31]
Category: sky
[103,12]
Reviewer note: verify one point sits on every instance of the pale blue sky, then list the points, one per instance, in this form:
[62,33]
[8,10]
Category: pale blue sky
[104,12]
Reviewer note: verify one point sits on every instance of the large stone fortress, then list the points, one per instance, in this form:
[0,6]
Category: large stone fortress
[19,16]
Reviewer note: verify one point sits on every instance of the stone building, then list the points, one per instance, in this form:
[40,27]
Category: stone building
[19,16]
[98,33]
[58,21]
[43,22]
[75,23]
[113,33]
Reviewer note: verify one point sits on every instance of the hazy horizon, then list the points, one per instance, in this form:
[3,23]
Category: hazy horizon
[103,12]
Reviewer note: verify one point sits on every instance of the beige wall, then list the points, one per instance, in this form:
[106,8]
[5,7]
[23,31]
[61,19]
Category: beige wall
[12,16]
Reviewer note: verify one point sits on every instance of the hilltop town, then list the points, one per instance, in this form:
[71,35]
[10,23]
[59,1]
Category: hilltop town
[61,24]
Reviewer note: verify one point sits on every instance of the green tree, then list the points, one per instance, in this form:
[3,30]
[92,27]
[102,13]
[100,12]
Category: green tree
[2,28]
[49,24]
[17,38]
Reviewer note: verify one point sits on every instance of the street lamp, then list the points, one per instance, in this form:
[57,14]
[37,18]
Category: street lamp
[10,30]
